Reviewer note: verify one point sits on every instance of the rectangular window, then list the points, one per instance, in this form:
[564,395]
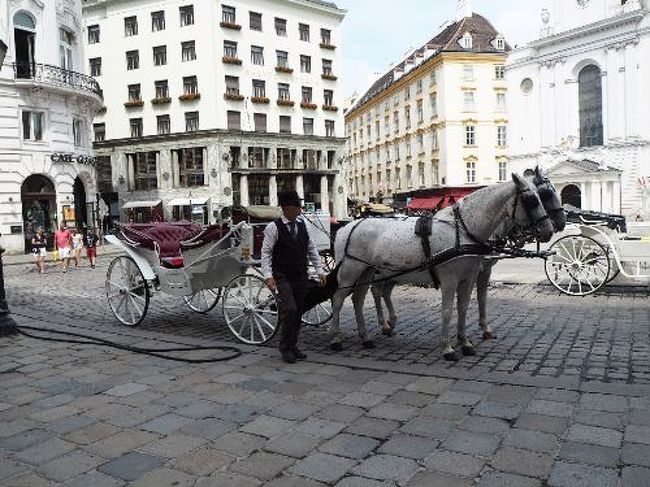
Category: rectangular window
[503,171]
[407,116]
[377,127]
[468,101]
[418,86]
[259,88]
[132,60]
[283,92]
[130,26]
[93,34]
[326,36]
[228,14]
[306,94]
[409,176]
[396,121]
[159,55]
[420,112]
[285,124]
[162,88]
[470,135]
[255,21]
[407,93]
[434,140]
[433,100]
[308,126]
[408,147]
[303,29]
[134,92]
[420,143]
[234,120]
[144,170]
[499,71]
[190,167]
[95,66]
[328,97]
[136,127]
[387,124]
[283,59]
[257,55]
[163,124]
[502,136]
[260,122]
[191,121]
[281,27]
[188,51]
[99,129]
[230,49]
[305,64]
[470,172]
[190,85]
[327,66]
[232,85]
[157,21]
[187,15]
[78,132]
[468,73]
[432,78]
[501,102]
[421,180]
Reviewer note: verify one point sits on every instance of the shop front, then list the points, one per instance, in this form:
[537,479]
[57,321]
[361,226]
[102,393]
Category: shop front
[38,197]
[190,209]
[143,211]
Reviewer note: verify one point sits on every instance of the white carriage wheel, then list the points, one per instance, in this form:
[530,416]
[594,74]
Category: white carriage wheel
[318,315]
[580,265]
[203,300]
[127,291]
[250,309]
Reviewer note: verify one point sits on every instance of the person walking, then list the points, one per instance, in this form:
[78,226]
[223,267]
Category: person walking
[39,249]
[90,242]
[77,245]
[286,249]
[62,243]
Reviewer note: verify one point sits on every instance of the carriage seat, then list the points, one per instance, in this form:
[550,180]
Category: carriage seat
[164,237]
[209,234]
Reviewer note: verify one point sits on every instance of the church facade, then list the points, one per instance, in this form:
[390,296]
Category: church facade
[578,104]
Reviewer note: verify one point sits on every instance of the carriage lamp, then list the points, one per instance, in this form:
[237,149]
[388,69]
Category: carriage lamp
[7,324]
[3,52]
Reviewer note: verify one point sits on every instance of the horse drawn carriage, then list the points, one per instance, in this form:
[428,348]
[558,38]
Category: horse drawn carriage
[582,263]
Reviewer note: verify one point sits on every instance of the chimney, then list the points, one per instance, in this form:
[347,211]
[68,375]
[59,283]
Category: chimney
[463,9]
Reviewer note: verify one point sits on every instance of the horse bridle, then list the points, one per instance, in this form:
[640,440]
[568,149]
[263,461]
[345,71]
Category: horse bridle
[546,195]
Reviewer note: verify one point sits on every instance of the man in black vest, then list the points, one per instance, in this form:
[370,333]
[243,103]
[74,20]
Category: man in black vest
[285,251]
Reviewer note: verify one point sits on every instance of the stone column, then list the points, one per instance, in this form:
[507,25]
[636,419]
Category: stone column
[243,190]
[299,186]
[631,101]
[176,177]
[129,172]
[273,190]
[324,194]
[165,166]
[616,197]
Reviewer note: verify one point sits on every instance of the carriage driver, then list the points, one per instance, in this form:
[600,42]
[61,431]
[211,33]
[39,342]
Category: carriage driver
[286,248]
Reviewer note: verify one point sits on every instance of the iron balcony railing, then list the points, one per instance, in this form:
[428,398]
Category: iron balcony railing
[46,73]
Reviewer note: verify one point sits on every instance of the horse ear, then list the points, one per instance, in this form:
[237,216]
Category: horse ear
[517,179]
[538,172]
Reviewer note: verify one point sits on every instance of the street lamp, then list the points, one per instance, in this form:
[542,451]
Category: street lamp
[7,324]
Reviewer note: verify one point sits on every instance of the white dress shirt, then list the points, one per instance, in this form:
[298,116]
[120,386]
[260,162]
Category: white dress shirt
[271,238]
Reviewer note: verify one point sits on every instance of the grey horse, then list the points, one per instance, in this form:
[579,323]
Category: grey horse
[383,289]
[387,245]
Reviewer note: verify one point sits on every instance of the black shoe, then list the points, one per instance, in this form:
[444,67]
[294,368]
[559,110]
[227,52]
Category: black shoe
[299,355]
[289,357]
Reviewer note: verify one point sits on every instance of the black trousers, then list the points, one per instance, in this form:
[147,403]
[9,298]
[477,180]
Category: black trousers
[291,294]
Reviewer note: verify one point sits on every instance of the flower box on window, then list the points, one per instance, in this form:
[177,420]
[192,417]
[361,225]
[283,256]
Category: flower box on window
[331,108]
[233,96]
[326,45]
[231,60]
[189,96]
[283,69]
[329,76]
[230,25]
[285,103]
[309,106]
[259,99]
[133,103]
[161,101]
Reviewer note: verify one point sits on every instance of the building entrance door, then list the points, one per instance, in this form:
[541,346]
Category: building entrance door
[571,196]
[39,208]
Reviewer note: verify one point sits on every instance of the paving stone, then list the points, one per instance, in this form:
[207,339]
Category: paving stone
[91,433]
[638,434]
[9,467]
[558,395]
[319,428]
[165,477]
[363,482]
[166,424]
[600,418]
[29,479]
[293,444]
[44,452]
[362,399]
[451,412]
[498,410]
[480,424]
[604,402]
[351,446]
[210,429]
[438,429]
[635,477]
[296,389]
[121,443]
[410,398]
[539,422]
[379,387]
[387,410]
[597,436]
[172,446]
[322,467]
[472,443]
[228,479]
[267,426]
[287,481]
[533,440]
[202,461]
[437,479]
[199,409]
[339,413]
[409,446]
[25,439]
[126,389]
[550,408]
[589,454]
[53,414]
[387,467]
[231,395]
[576,475]
[131,466]
[69,465]
[95,479]
[262,465]
[68,424]
[502,479]
[294,410]
[636,454]
[454,463]
[239,444]
[460,398]
[522,462]
[430,385]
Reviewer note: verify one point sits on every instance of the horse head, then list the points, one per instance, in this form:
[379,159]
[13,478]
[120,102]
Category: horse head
[528,212]
[550,199]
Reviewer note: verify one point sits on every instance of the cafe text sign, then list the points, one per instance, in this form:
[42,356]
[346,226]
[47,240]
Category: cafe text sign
[62,158]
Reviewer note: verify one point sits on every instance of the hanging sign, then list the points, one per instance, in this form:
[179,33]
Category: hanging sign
[62,158]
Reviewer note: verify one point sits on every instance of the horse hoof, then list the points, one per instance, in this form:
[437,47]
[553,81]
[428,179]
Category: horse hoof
[451,356]
[337,347]
[489,335]
[369,344]
[468,350]
[387,331]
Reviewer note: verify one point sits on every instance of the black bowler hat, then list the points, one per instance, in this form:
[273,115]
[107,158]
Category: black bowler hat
[290,198]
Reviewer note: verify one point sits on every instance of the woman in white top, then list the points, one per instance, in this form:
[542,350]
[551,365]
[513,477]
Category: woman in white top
[77,245]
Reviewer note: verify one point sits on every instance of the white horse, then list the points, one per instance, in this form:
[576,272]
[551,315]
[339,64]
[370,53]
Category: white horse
[390,246]
[383,288]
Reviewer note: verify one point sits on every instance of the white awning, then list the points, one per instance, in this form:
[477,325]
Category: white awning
[188,201]
[141,204]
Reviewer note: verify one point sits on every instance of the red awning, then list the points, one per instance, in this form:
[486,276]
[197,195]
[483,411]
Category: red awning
[430,203]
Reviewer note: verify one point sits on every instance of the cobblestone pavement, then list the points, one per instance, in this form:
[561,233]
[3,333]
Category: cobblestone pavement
[561,399]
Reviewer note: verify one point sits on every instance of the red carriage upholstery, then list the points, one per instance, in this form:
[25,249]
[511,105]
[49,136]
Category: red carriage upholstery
[166,237]
[209,234]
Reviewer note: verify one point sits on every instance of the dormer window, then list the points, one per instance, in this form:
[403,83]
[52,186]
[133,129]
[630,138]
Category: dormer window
[466,41]
[500,43]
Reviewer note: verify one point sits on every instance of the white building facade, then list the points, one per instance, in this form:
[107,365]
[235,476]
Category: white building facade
[437,119]
[577,103]
[211,104]
[47,172]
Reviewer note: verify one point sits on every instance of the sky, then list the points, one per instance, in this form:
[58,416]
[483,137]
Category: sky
[377,33]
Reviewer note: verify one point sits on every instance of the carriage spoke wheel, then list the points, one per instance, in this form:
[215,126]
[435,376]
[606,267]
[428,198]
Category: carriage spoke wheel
[203,300]
[127,291]
[250,309]
[579,267]
[318,315]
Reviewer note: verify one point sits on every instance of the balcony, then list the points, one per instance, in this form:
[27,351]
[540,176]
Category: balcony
[226,24]
[260,99]
[233,95]
[231,60]
[189,96]
[330,108]
[283,102]
[327,45]
[308,105]
[53,76]
[284,69]
[329,76]
[133,103]
[163,100]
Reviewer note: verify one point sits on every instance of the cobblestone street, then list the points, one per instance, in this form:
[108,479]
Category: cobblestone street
[560,398]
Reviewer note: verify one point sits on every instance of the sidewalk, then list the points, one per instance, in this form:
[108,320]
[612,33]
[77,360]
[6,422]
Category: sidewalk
[22,259]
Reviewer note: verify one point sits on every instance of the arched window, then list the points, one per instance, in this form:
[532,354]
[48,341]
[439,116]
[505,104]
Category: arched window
[23,19]
[591,106]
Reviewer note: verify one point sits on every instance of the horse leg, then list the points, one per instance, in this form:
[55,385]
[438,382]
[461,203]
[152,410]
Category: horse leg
[448,292]
[358,298]
[335,331]
[387,293]
[464,294]
[377,290]
[482,284]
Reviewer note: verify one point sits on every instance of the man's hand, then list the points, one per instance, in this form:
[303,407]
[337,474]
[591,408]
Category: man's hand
[270,282]
[322,280]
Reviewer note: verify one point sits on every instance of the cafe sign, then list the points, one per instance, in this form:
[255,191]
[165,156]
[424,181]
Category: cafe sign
[62,158]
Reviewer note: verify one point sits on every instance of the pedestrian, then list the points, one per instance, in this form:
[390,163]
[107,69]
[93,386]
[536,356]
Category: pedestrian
[39,249]
[90,242]
[63,243]
[77,245]
[286,249]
